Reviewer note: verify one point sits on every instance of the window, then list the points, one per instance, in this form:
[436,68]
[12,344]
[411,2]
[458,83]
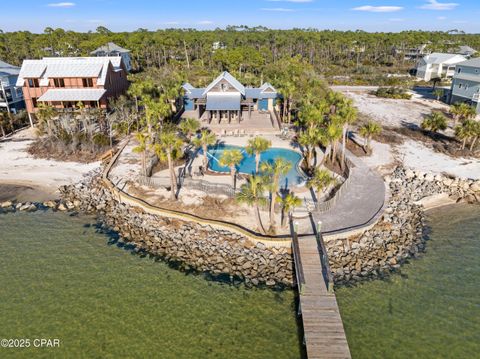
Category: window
[459,70]
[87,82]
[33,83]
[34,102]
[459,86]
[59,82]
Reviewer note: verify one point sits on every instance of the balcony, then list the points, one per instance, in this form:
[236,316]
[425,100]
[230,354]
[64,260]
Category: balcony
[476,97]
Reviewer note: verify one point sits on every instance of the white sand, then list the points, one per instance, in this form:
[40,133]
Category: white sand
[392,113]
[19,167]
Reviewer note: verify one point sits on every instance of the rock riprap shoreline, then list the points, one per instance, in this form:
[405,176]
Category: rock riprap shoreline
[400,232]
[398,235]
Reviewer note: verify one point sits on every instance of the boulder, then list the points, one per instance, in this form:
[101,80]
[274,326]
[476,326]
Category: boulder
[6,204]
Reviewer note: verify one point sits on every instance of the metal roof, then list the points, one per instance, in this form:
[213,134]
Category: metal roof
[64,67]
[230,79]
[109,48]
[471,63]
[72,95]
[8,69]
[223,101]
[440,58]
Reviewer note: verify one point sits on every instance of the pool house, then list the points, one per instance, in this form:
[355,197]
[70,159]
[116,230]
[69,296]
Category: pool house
[227,104]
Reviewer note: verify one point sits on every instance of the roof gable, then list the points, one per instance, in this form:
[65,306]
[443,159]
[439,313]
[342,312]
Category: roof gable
[230,79]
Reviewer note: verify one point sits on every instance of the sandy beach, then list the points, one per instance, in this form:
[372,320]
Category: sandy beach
[23,177]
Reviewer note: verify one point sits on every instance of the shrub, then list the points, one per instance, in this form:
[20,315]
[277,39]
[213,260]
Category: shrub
[393,92]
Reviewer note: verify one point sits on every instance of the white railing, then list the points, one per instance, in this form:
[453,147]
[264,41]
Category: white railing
[476,97]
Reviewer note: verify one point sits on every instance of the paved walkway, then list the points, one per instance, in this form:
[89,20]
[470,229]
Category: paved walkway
[359,204]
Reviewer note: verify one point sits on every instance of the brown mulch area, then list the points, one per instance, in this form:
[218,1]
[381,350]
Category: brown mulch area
[356,148]
[39,149]
[160,166]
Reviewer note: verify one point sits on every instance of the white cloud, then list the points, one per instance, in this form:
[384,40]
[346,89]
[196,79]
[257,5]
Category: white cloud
[171,23]
[378,8]
[396,19]
[279,9]
[61,4]
[435,5]
[205,22]
[441,18]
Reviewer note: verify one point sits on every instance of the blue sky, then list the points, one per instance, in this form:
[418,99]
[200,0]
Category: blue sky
[368,15]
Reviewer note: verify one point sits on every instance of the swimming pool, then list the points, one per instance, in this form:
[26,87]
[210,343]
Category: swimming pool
[247,166]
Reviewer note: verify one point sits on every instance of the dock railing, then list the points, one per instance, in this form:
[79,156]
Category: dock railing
[327,271]
[297,260]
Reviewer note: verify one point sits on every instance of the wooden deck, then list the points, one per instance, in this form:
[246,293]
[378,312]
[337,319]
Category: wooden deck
[324,335]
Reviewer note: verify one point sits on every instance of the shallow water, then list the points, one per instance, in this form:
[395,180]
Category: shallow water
[59,278]
[431,309]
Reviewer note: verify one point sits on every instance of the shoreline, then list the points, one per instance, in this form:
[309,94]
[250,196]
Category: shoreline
[25,191]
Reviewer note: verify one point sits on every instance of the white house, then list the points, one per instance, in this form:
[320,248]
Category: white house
[438,66]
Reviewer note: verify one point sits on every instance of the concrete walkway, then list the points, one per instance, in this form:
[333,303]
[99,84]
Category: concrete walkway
[359,205]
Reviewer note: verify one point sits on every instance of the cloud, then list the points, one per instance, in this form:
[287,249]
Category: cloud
[441,18]
[378,8]
[171,23]
[396,19]
[279,9]
[61,4]
[205,22]
[435,5]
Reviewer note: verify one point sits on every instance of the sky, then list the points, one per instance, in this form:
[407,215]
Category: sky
[118,15]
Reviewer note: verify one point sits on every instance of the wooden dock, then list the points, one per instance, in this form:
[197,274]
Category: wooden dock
[324,335]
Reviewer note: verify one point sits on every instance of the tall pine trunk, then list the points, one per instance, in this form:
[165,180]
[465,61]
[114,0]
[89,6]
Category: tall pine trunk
[173,180]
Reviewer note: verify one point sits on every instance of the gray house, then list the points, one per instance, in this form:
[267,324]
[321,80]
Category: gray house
[112,49]
[11,96]
[466,83]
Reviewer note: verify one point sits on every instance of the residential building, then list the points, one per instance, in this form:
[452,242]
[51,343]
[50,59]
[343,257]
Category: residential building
[438,66]
[63,82]
[466,83]
[11,96]
[112,49]
[466,51]
[217,45]
[225,104]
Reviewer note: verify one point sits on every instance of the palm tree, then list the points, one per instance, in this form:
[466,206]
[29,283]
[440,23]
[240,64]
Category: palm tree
[3,122]
[189,127]
[438,93]
[169,148]
[255,147]
[367,131]
[462,111]
[348,115]
[469,130]
[332,135]
[251,193]
[435,122]
[308,139]
[273,171]
[320,180]
[205,139]
[289,203]
[142,147]
[231,158]
[45,114]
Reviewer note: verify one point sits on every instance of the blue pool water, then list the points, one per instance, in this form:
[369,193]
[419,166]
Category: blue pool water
[247,166]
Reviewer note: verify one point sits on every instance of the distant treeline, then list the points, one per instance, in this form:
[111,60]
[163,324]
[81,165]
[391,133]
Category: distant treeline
[241,50]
